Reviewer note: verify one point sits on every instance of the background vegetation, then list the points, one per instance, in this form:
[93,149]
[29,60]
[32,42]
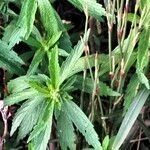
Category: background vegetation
[74,74]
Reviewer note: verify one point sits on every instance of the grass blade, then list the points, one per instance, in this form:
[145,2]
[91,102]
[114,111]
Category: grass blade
[130,118]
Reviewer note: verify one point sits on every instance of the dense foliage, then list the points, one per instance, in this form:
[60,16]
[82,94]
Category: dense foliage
[65,87]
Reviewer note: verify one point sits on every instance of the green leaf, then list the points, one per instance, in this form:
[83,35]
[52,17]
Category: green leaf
[31,41]
[94,9]
[68,85]
[72,59]
[53,25]
[142,57]
[53,40]
[143,45]
[25,22]
[26,116]
[39,87]
[37,130]
[130,17]
[105,142]
[10,59]
[35,62]
[18,84]
[103,89]
[143,79]
[143,3]
[130,118]
[20,96]
[54,68]
[11,66]
[131,91]
[82,123]
[48,17]
[63,53]
[41,139]
[87,62]
[30,120]
[21,83]
[25,18]
[65,131]
[9,54]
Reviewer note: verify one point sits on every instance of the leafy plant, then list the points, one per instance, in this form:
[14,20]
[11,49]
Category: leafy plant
[48,92]
[74,94]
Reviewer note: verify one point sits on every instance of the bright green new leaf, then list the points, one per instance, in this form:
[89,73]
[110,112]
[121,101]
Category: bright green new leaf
[53,40]
[105,142]
[39,87]
[54,68]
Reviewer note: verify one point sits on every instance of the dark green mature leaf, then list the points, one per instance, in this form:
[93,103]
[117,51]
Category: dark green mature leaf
[94,9]
[26,19]
[104,90]
[39,139]
[18,84]
[9,54]
[82,123]
[9,59]
[48,17]
[68,85]
[26,117]
[25,22]
[87,62]
[130,118]
[11,66]
[23,82]
[54,68]
[72,59]
[20,96]
[53,24]
[65,131]
[30,120]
